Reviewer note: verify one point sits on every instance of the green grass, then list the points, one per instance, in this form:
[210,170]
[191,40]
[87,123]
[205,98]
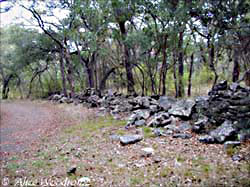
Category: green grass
[165,172]
[13,166]
[180,158]
[147,131]
[136,180]
[38,163]
[87,127]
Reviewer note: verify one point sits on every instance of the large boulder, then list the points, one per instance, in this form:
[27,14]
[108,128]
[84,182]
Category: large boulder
[182,108]
[166,102]
[224,132]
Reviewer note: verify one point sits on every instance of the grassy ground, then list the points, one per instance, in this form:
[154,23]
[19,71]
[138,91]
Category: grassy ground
[89,148]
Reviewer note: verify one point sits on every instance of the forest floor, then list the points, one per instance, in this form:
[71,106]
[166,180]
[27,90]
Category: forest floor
[45,144]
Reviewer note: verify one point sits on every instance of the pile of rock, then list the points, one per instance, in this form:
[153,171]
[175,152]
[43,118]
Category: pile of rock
[225,103]
[226,110]
[60,98]
[223,115]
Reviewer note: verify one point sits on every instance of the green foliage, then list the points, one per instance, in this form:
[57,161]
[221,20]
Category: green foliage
[94,26]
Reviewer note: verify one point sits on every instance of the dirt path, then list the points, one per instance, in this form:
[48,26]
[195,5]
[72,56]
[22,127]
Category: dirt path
[23,123]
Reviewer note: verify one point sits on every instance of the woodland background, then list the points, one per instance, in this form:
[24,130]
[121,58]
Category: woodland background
[145,47]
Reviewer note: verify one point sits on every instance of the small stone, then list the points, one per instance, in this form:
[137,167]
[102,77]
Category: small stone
[158,132]
[130,139]
[182,135]
[206,139]
[157,160]
[147,151]
[237,158]
[140,123]
[84,181]
[169,132]
[72,170]
[173,128]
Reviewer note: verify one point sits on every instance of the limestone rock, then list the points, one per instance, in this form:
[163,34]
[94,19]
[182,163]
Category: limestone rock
[182,108]
[130,139]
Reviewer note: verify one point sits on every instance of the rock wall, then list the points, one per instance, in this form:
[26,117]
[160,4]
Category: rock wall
[225,103]
[222,115]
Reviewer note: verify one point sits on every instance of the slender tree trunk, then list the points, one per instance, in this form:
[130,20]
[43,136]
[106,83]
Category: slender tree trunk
[142,83]
[203,55]
[236,68]
[41,83]
[30,86]
[152,82]
[70,73]
[94,69]
[211,61]
[19,87]
[104,79]
[96,76]
[163,73]
[6,88]
[37,73]
[180,66]
[190,75]
[62,69]
[89,74]
[127,63]
[174,74]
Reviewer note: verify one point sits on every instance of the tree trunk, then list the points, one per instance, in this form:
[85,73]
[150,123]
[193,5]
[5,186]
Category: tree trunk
[180,66]
[104,79]
[163,73]
[6,88]
[62,69]
[86,63]
[236,68]
[33,78]
[89,74]
[190,75]
[151,76]
[127,63]
[174,74]
[211,61]
[143,80]
[70,73]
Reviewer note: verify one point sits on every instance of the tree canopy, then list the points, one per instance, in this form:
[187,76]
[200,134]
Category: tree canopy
[142,47]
